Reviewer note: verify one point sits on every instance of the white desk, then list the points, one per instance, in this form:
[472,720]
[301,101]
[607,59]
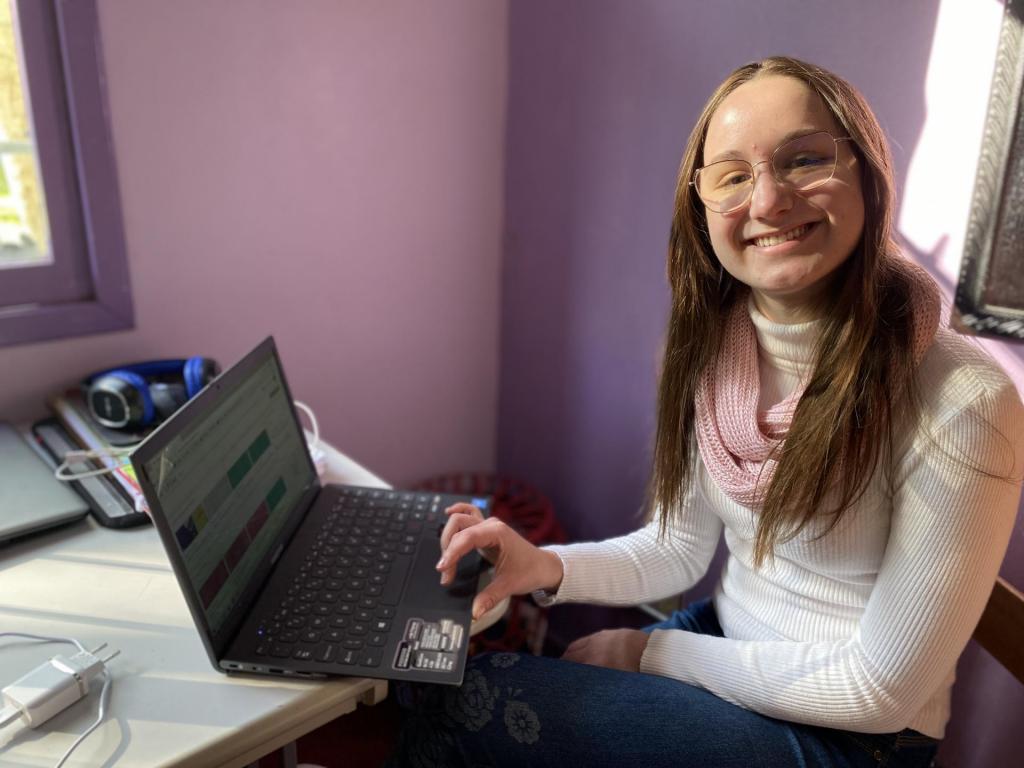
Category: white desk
[168,706]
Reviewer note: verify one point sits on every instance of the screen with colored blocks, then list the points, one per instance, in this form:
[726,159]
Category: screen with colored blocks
[227,485]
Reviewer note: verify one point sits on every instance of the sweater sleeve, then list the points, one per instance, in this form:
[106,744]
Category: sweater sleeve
[640,566]
[950,527]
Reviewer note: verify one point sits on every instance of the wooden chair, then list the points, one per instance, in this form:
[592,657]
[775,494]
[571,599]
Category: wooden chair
[1001,629]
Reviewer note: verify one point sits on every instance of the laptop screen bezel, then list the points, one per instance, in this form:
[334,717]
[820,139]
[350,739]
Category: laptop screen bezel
[194,411]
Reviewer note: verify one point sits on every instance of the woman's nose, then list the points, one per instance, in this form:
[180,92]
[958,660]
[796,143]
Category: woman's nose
[769,197]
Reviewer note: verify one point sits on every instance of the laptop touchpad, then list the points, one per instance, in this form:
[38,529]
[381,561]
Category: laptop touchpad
[424,586]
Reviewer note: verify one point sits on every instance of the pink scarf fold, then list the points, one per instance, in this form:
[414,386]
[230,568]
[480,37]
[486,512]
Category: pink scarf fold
[734,440]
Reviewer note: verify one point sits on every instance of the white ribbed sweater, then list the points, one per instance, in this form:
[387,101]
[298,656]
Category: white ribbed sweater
[859,629]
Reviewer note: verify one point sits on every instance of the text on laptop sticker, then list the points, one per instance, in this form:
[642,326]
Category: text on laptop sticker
[429,645]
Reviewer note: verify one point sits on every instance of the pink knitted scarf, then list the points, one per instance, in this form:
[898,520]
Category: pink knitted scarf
[735,441]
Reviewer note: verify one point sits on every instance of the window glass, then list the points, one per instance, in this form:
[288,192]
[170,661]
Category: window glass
[24,229]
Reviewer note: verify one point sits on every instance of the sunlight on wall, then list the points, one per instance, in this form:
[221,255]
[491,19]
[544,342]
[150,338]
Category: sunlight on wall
[940,180]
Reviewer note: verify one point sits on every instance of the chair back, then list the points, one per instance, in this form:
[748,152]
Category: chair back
[1001,629]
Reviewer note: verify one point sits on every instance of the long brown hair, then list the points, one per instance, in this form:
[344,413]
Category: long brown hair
[844,424]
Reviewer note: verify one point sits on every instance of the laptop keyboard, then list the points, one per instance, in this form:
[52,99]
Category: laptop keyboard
[340,605]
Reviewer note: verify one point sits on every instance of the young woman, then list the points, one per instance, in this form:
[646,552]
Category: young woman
[863,462]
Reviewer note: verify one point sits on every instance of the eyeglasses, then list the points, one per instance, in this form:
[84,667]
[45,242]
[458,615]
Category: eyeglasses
[802,163]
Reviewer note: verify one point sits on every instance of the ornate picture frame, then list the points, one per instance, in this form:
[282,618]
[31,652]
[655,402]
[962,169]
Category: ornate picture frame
[990,290]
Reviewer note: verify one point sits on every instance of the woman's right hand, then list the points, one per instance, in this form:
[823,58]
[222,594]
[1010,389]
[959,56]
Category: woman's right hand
[519,566]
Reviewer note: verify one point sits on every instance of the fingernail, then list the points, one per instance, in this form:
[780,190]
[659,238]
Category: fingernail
[440,564]
[444,577]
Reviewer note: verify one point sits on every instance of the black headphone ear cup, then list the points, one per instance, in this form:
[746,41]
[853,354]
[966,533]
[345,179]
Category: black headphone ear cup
[210,370]
[120,399]
[167,397]
[197,372]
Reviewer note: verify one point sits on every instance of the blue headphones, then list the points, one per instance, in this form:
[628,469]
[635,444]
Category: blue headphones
[133,396]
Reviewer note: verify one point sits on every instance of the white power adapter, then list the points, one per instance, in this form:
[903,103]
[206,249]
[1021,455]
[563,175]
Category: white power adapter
[52,687]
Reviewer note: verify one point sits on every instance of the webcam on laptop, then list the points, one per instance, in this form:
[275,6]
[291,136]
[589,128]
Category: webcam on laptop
[141,394]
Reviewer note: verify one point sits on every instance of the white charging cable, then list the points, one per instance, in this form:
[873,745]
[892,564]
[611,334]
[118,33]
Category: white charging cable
[312,420]
[54,686]
[316,452]
[65,474]
[63,471]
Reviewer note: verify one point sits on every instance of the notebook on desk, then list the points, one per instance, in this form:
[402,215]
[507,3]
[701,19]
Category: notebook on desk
[284,575]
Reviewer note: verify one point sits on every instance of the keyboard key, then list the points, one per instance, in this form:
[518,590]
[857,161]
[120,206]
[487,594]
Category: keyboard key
[352,644]
[302,654]
[310,636]
[377,639]
[370,658]
[280,651]
[325,653]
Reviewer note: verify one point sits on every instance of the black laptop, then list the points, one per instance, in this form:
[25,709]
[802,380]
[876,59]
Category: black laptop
[285,576]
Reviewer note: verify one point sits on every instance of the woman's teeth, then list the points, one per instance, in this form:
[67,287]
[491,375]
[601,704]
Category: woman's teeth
[793,234]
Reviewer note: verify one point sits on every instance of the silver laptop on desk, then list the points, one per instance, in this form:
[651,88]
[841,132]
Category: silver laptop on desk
[283,575]
[31,498]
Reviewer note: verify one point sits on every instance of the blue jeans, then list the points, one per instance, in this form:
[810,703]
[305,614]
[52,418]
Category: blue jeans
[520,710]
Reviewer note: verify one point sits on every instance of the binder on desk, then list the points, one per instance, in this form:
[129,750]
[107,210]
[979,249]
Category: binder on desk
[109,504]
[72,412]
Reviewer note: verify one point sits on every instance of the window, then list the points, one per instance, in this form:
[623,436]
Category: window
[63,266]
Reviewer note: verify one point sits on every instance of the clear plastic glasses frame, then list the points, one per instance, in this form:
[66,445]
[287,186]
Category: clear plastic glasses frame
[728,185]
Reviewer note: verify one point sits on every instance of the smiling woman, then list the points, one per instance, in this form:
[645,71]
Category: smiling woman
[863,463]
[801,215]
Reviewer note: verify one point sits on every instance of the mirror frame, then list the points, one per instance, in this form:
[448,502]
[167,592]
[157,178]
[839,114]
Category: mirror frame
[995,229]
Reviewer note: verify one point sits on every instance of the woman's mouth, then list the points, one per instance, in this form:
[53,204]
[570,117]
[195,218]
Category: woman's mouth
[783,237]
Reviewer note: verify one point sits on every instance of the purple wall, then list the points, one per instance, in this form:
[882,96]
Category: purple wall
[327,172]
[602,95]
[336,173]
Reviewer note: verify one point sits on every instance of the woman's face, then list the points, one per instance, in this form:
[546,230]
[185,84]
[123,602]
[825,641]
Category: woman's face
[784,244]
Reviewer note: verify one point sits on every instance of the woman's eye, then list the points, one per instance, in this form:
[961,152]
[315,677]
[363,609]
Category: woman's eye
[804,161]
[734,179]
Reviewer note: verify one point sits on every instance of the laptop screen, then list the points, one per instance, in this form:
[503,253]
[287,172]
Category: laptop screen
[226,483]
